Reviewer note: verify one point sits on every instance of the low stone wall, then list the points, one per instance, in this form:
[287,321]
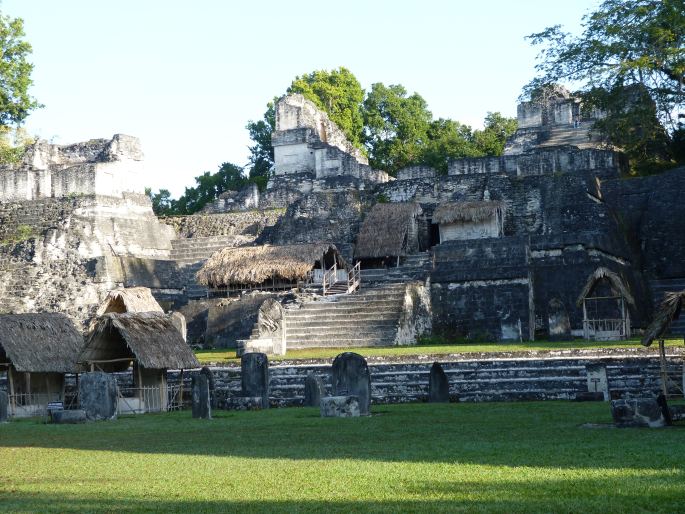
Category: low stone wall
[471,380]
[226,224]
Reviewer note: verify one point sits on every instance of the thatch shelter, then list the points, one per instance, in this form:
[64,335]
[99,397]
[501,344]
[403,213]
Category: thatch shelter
[147,340]
[460,221]
[389,231]
[269,267]
[605,313]
[130,299]
[36,351]
[668,311]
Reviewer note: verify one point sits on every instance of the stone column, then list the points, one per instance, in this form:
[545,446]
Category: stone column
[98,395]
[438,385]
[254,376]
[351,377]
[200,395]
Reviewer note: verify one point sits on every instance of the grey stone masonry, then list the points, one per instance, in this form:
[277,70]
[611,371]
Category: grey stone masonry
[350,377]
[340,407]
[254,374]
[313,390]
[68,417]
[438,385]
[200,397]
[98,395]
[637,412]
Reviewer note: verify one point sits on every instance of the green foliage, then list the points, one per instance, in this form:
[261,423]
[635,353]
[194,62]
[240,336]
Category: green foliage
[382,198]
[15,73]
[261,152]
[19,235]
[338,93]
[13,144]
[421,457]
[634,51]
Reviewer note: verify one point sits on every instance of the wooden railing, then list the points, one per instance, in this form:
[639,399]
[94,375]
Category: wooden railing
[354,278]
[604,328]
[330,277]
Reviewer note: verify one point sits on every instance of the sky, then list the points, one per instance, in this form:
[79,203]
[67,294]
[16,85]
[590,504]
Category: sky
[185,77]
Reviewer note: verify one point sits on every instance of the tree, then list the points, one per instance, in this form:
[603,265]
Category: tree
[15,73]
[338,93]
[623,42]
[262,153]
[396,127]
[497,129]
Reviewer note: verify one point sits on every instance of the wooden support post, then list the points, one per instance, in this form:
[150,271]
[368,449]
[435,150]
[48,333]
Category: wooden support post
[12,396]
[664,370]
[180,391]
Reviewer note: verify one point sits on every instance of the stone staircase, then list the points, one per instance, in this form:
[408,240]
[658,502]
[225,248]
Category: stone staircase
[568,135]
[191,253]
[368,317]
[412,267]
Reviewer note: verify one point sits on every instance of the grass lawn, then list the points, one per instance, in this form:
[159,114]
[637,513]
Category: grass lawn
[229,356]
[504,457]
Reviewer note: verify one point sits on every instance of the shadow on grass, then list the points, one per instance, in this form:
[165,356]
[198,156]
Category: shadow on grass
[511,434]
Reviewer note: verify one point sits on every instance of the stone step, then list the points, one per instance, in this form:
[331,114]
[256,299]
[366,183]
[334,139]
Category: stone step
[299,323]
[341,342]
[333,330]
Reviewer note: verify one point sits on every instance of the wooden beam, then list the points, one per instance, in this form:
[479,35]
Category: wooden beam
[664,370]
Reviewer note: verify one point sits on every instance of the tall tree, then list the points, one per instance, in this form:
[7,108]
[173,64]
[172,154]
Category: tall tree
[396,127]
[339,93]
[623,42]
[261,152]
[15,73]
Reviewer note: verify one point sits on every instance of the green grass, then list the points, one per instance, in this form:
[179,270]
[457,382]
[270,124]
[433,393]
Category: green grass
[503,457]
[229,356]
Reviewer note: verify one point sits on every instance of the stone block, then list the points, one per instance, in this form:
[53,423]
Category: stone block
[212,385]
[98,395]
[4,406]
[438,385]
[313,389]
[254,376]
[597,381]
[637,412]
[244,403]
[350,377]
[340,407]
[68,417]
[200,397]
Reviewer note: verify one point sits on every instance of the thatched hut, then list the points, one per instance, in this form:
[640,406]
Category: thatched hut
[458,221]
[269,267]
[604,302]
[389,231]
[130,299]
[36,351]
[147,340]
[667,313]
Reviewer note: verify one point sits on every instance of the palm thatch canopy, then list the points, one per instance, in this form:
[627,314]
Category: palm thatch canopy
[614,279]
[148,337]
[385,230]
[252,265]
[40,343]
[668,311]
[131,299]
[467,211]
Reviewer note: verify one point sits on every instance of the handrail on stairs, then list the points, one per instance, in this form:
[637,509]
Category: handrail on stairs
[330,277]
[354,278]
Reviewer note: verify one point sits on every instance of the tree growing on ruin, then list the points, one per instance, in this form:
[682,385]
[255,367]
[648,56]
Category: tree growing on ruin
[629,51]
[339,93]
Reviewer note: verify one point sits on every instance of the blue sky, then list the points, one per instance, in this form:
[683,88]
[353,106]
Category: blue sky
[185,77]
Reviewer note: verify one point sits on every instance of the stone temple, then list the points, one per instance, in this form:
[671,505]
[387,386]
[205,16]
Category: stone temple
[546,241]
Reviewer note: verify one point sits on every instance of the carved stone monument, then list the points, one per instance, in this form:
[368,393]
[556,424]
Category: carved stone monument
[313,390]
[638,412]
[350,377]
[98,395]
[254,376]
[4,403]
[201,398]
[597,380]
[438,385]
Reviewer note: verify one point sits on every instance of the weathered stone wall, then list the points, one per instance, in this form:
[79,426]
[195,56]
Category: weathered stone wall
[97,167]
[248,223]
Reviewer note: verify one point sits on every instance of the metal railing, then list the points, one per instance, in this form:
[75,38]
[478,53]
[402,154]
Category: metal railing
[140,400]
[330,277]
[354,280]
[27,405]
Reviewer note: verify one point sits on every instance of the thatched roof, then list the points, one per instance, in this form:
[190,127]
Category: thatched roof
[467,211]
[613,278]
[131,299]
[257,264]
[385,229]
[40,343]
[668,311]
[149,337]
